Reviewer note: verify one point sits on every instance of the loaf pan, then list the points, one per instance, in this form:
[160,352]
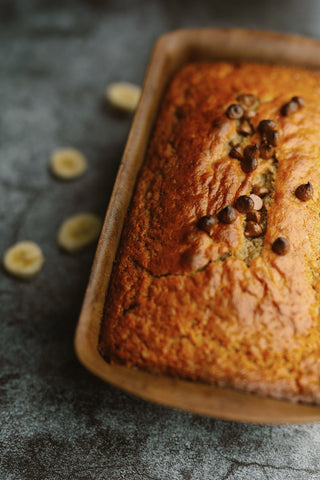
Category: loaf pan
[171,52]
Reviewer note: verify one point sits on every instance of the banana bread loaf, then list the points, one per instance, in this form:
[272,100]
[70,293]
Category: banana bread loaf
[217,274]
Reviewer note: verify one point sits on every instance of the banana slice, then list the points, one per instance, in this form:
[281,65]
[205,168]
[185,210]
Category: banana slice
[79,231]
[24,259]
[123,95]
[68,163]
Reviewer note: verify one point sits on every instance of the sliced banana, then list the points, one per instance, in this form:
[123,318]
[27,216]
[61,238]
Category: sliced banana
[24,259]
[123,95]
[67,163]
[79,231]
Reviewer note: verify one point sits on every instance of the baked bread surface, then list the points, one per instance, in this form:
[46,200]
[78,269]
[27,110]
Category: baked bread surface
[222,307]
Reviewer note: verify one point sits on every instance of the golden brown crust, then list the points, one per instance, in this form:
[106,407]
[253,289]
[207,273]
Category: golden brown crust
[223,308]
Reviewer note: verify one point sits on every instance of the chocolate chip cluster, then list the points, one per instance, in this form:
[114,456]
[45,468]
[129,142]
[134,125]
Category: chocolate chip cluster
[244,110]
[251,153]
[248,204]
[252,205]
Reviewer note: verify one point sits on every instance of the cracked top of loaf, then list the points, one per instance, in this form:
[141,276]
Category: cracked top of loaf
[222,303]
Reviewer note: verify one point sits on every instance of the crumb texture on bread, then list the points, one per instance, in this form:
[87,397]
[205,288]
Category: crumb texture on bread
[224,306]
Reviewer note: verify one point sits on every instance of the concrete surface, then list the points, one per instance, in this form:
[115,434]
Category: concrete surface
[58,421]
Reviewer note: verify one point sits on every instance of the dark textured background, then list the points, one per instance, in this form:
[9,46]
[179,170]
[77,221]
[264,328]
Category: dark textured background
[57,421]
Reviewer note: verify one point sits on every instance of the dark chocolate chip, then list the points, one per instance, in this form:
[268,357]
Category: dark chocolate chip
[249,164]
[266,125]
[260,191]
[304,192]
[257,202]
[253,229]
[249,114]
[281,246]
[244,204]
[227,215]
[236,151]
[251,151]
[289,108]
[207,223]
[266,150]
[245,128]
[247,100]
[234,111]
[273,137]
[254,216]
